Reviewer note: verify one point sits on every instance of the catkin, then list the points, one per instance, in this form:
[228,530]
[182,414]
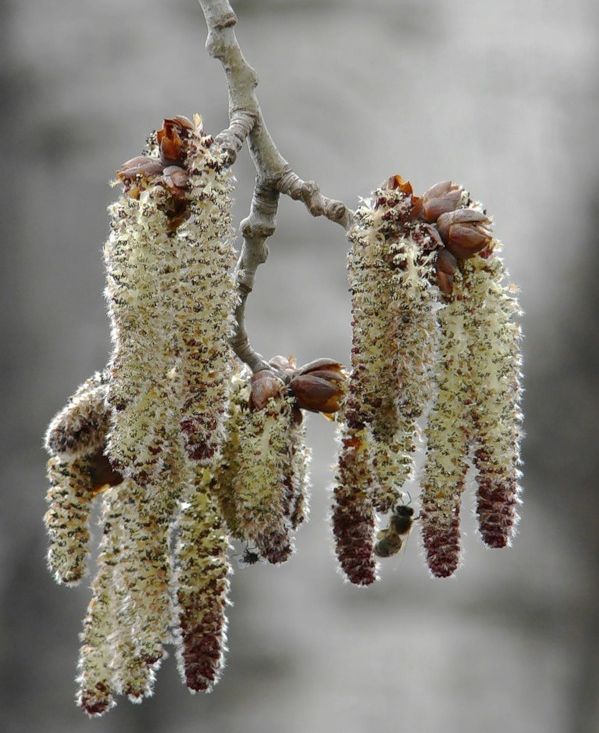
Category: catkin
[201,583]
[205,299]
[494,336]
[67,518]
[96,677]
[80,428]
[447,435]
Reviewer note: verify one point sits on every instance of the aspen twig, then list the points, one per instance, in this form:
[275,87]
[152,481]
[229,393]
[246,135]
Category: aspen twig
[273,174]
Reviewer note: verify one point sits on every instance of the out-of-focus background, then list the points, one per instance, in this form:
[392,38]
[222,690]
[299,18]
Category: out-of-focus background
[501,96]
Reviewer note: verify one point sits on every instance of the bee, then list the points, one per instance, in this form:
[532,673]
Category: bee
[249,557]
[391,539]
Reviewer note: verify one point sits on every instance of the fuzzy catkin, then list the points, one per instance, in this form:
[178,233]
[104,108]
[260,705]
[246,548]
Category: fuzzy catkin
[447,436]
[145,567]
[67,519]
[391,267]
[259,486]
[229,464]
[96,677]
[206,299]
[353,512]
[372,382]
[494,336]
[80,428]
[201,583]
[142,391]
[297,479]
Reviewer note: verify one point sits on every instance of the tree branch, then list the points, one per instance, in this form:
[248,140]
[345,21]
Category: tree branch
[274,174]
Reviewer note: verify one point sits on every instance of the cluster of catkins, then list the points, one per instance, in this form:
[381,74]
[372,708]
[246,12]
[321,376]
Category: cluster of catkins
[436,337]
[186,448]
[189,451]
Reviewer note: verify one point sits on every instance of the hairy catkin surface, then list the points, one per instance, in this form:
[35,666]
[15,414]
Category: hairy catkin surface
[391,267]
[494,336]
[201,583]
[139,254]
[80,428]
[205,301]
[96,677]
[447,436]
[415,307]
[67,519]
[262,480]
[353,512]
[297,481]
[260,485]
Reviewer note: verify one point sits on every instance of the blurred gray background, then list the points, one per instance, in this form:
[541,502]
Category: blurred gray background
[501,96]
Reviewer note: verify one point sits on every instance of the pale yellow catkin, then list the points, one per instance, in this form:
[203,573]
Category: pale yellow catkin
[96,678]
[205,299]
[494,336]
[141,390]
[67,518]
[447,435]
[80,428]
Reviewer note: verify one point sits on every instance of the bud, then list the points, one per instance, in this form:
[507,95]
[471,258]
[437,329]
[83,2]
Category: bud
[466,232]
[265,385]
[413,204]
[138,174]
[176,181]
[445,267]
[172,139]
[439,199]
[319,386]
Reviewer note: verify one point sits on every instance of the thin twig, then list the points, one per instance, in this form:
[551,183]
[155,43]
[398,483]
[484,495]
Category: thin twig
[274,175]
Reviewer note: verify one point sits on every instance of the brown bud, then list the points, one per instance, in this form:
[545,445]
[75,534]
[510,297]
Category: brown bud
[465,232]
[446,262]
[440,199]
[399,182]
[176,181]
[171,139]
[264,384]
[319,386]
[445,265]
[285,364]
[330,365]
[137,173]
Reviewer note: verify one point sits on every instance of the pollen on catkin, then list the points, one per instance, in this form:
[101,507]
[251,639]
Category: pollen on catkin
[67,518]
[494,336]
[80,428]
[391,269]
[261,485]
[352,514]
[201,583]
[206,297]
[96,676]
[447,436]
[139,255]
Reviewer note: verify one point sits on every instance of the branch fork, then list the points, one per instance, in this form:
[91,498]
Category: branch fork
[274,176]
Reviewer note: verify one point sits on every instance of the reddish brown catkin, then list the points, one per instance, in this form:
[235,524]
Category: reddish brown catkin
[202,584]
[353,513]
